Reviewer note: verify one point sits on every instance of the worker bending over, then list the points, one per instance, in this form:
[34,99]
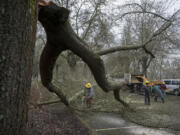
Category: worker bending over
[88,94]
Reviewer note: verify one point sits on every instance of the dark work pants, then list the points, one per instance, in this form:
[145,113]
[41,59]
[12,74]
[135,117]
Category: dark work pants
[159,94]
[156,97]
[147,98]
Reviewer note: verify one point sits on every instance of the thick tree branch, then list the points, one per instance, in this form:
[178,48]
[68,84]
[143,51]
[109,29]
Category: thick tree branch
[41,38]
[60,37]
[148,52]
[47,62]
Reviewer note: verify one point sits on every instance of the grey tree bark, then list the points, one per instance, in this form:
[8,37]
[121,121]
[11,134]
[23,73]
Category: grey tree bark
[17,36]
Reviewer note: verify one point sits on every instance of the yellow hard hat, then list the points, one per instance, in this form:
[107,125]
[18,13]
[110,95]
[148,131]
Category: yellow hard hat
[88,85]
[147,82]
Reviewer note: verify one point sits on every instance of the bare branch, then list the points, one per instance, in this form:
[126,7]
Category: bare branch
[142,12]
[148,52]
[67,4]
[164,27]
[149,62]
[90,22]
[132,4]
[119,48]
[156,33]
[77,15]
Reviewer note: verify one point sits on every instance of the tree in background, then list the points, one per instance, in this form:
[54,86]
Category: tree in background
[141,20]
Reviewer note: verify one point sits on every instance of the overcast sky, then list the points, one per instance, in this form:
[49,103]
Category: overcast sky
[174,6]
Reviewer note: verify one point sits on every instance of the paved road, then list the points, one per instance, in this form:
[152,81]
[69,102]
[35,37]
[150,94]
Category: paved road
[113,124]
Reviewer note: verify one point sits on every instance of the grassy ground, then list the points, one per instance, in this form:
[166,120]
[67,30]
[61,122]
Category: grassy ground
[156,115]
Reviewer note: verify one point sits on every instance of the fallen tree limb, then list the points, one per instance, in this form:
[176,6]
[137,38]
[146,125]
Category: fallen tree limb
[60,37]
[48,102]
[58,100]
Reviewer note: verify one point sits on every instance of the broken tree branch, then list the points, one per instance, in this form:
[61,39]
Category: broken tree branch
[60,37]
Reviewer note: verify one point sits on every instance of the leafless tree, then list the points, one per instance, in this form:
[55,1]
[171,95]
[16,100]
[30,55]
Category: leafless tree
[143,19]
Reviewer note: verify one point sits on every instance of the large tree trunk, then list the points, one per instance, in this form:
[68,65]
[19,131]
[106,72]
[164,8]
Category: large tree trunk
[17,36]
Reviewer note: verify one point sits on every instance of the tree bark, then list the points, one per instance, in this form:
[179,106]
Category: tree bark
[17,36]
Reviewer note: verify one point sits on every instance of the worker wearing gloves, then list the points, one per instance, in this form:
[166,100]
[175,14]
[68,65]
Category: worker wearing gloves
[88,94]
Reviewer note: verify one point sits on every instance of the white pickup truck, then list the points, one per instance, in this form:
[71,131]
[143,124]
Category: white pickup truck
[173,86]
